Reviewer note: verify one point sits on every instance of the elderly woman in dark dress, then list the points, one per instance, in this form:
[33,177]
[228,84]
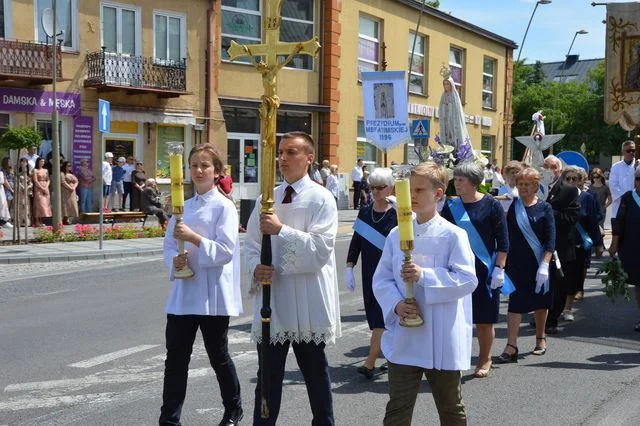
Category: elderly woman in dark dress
[487,217]
[374,223]
[626,234]
[138,177]
[532,236]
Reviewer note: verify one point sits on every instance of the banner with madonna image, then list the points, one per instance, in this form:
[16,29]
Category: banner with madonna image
[386,117]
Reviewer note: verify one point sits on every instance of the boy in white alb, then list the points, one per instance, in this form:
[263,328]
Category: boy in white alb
[443,276]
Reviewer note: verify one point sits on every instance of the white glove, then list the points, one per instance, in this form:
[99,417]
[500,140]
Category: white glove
[542,275]
[497,278]
[349,279]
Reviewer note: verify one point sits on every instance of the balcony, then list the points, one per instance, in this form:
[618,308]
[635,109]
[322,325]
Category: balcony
[28,61]
[107,71]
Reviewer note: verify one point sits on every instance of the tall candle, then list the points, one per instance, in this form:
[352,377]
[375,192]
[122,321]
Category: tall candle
[177,184]
[405,216]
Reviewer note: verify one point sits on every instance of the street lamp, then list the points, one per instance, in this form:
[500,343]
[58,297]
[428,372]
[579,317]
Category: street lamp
[564,66]
[539,2]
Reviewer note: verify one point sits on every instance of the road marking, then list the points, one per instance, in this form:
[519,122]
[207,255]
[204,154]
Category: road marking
[30,402]
[101,359]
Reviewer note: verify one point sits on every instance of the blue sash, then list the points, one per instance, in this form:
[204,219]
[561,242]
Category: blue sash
[530,236]
[477,245]
[636,197]
[369,233]
[587,242]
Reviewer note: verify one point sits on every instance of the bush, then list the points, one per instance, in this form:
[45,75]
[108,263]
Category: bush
[46,234]
[20,137]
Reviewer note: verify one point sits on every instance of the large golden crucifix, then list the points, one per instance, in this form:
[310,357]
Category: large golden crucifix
[268,67]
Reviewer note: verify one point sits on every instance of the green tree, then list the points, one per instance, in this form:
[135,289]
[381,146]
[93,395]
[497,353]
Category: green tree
[20,137]
[435,4]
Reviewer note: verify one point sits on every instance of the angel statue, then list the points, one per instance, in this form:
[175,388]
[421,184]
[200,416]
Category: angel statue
[537,142]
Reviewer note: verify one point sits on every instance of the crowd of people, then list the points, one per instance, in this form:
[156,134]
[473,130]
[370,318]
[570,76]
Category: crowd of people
[123,181]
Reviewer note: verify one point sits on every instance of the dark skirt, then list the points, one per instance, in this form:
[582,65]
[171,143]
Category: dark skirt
[485,305]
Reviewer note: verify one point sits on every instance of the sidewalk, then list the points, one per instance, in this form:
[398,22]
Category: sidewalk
[83,250]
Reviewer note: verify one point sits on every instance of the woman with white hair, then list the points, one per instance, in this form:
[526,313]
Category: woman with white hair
[374,223]
[332,181]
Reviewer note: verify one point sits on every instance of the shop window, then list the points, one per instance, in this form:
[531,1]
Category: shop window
[488,83]
[417,82]
[46,131]
[166,134]
[368,44]
[170,36]
[121,29]
[67,22]
[456,65]
[365,150]
[241,22]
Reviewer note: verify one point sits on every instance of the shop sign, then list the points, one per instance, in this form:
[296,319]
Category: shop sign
[38,101]
[82,146]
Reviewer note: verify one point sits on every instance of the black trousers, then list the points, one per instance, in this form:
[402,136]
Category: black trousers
[180,335]
[561,287]
[315,370]
[356,195]
[160,214]
[128,187]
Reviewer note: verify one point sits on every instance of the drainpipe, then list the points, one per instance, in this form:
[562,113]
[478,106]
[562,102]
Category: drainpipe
[209,70]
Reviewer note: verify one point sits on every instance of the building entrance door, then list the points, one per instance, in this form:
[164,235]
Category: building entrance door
[243,158]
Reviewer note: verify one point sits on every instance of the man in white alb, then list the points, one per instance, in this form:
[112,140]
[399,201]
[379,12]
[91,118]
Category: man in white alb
[304,290]
[356,177]
[621,176]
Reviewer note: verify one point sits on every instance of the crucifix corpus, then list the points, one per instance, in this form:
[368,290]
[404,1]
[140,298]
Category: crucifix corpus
[268,67]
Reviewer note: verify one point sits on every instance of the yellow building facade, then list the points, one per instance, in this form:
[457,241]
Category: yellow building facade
[148,58]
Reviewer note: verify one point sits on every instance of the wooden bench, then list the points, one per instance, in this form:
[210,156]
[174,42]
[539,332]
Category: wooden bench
[114,217]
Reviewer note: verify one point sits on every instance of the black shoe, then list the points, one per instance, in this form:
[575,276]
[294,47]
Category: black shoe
[506,358]
[539,350]
[385,366]
[551,329]
[366,372]
[232,418]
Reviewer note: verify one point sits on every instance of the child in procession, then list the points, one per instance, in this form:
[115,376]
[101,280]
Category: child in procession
[208,299]
[443,276]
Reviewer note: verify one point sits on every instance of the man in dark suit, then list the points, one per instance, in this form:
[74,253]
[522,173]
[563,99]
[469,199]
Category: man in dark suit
[565,201]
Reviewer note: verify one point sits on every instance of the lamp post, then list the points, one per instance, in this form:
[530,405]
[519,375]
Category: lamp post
[55,142]
[539,2]
[564,66]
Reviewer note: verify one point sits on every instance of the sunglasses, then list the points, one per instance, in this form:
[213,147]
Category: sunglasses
[138,164]
[572,179]
[378,187]
[630,151]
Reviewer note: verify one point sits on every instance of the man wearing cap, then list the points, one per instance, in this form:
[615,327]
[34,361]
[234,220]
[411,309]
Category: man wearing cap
[127,180]
[107,176]
[117,185]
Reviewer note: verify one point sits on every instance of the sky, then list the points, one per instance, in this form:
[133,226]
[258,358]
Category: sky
[552,28]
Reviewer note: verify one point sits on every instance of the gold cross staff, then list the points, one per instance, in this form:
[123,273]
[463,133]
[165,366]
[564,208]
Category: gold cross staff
[269,68]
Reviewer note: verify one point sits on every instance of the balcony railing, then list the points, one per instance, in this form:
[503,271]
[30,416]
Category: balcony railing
[112,71]
[27,60]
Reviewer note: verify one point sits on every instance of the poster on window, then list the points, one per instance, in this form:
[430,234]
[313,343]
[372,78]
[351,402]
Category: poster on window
[386,120]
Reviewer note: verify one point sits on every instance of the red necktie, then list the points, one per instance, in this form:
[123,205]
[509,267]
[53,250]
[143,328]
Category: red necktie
[288,193]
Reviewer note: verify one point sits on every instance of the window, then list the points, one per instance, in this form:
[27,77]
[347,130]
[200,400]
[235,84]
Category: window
[365,150]
[456,66]
[417,73]
[5,18]
[487,144]
[67,22]
[170,34]
[488,82]
[297,25]
[166,134]
[121,29]
[368,44]
[240,22]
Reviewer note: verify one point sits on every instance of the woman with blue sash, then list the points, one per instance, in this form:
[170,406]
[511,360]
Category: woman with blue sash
[626,234]
[588,237]
[532,236]
[374,223]
[482,217]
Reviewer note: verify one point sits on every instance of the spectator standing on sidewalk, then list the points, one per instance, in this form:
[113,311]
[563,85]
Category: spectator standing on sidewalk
[41,194]
[117,185]
[127,182]
[602,192]
[325,171]
[5,216]
[225,182]
[68,184]
[356,177]
[107,177]
[332,182]
[138,177]
[85,184]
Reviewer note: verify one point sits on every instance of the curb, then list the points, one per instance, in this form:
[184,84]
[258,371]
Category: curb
[111,254]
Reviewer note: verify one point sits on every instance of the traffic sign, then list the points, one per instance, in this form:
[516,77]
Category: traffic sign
[104,116]
[420,129]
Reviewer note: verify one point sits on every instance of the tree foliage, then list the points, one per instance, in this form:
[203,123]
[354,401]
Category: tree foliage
[573,108]
[20,137]
[435,4]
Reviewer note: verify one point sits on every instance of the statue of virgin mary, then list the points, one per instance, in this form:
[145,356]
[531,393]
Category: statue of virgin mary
[453,130]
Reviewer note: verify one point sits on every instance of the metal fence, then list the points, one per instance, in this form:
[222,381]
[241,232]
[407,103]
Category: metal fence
[27,59]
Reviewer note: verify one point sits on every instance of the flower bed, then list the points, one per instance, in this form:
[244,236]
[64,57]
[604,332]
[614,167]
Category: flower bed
[46,234]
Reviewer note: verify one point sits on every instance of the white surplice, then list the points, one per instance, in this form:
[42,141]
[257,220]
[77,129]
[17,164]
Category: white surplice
[443,295]
[304,295]
[215,287]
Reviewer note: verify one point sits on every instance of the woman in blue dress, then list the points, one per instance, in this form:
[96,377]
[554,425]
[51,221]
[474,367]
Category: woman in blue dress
[374,223]
[626,234]
[528,269]
[488,219]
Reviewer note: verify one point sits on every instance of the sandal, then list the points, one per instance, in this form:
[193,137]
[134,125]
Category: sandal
[539,350]
[365,371]
[481,373]
[506,357]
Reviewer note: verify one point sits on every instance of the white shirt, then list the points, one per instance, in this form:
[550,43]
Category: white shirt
[621,180]
[31,159]
[332,184]
[215,287]
[128,170]
[107,173]
[443,295]
[357,173]
[304,294]
[497,180]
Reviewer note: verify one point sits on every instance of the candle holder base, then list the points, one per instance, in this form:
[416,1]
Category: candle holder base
[411,322]
[183,273]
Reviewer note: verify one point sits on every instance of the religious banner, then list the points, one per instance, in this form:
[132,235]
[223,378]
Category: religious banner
[386,118]
[622,81]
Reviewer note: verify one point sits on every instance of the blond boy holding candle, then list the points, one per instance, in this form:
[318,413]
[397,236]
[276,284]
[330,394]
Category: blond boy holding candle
[442,273]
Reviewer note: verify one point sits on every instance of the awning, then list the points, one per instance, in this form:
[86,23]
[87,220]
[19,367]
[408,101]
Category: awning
[185,118]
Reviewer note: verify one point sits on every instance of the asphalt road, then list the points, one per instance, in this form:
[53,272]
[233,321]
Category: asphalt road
[84,345]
